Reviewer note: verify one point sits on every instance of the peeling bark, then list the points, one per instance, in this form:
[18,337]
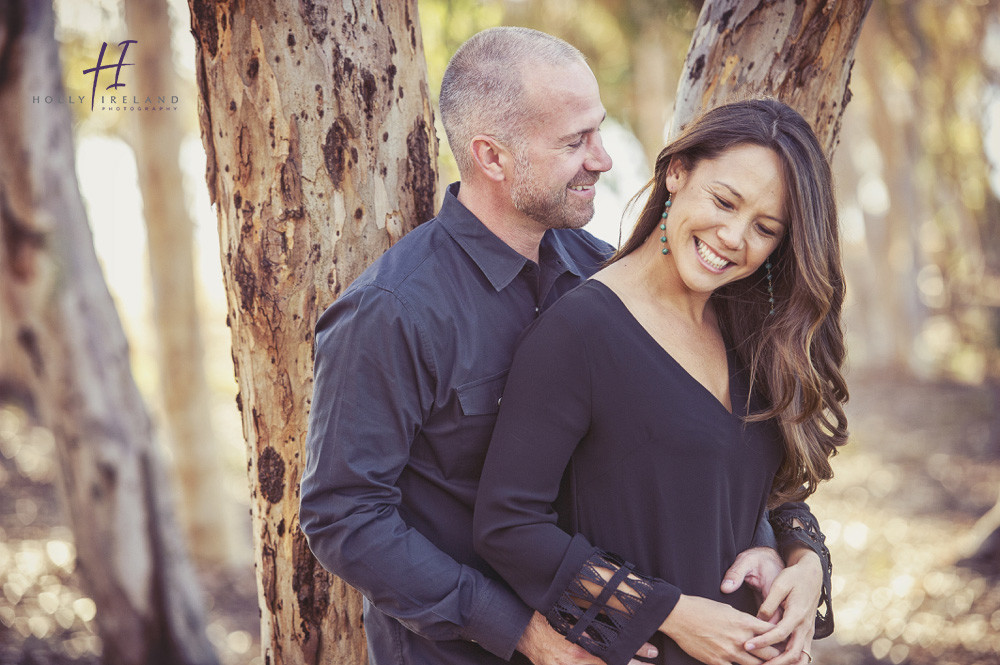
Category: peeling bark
[800,51]
[317,123]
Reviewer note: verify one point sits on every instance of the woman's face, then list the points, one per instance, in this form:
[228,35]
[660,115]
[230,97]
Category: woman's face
[728,215]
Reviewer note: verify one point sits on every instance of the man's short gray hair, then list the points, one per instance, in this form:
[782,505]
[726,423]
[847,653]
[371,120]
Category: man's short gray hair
[483,86]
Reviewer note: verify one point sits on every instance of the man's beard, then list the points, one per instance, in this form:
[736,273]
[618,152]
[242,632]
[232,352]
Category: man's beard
[551,208]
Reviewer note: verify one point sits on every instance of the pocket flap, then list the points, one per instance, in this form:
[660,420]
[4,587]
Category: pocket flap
[482,397]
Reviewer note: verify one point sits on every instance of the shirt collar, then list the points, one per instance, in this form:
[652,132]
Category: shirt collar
[498,261]
[553,249]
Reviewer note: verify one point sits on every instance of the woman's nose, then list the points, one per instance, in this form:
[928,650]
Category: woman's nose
[732,234]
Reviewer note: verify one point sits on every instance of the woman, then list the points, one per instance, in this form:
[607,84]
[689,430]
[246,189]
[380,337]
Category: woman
[654,412]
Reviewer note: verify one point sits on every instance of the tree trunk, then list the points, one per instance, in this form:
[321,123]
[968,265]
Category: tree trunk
[653,71]
[321,153]
[209,517]
[56,307]
[893,234]
[800,51]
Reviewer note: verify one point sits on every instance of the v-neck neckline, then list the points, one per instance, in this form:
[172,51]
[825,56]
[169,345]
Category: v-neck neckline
[730,359]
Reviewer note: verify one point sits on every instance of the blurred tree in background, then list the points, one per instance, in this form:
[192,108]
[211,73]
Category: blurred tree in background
[156,140]
[177,378]
[65,351]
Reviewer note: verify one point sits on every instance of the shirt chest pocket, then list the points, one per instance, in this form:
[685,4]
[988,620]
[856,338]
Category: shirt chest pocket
[482,396]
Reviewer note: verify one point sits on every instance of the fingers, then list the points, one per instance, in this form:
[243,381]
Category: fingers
[779,593]
[757,567]
[767,653]
[775,636]
[790,656]
[744,658]
[647,650]
[798,644]
[737,573]
[807,648]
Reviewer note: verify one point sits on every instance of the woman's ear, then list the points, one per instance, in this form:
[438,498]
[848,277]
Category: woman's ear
[677,173]
[491,157]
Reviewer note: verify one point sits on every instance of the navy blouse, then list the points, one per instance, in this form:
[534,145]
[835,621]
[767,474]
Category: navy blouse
[608,457]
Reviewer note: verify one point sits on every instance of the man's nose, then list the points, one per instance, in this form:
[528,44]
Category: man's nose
[598,158]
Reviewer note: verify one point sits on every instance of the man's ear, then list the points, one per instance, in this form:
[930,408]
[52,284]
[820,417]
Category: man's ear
[492,158]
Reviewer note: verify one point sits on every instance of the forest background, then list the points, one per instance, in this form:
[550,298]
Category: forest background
[918,175]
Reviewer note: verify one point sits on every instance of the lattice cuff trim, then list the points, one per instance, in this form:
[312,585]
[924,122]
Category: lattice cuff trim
[594,620]
[809,534]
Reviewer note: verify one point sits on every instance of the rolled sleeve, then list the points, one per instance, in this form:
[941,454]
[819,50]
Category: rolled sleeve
[374,375]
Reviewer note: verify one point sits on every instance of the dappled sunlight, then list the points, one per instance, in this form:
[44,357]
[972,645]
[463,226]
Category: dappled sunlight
[920,468]
[41,598]
[44,610]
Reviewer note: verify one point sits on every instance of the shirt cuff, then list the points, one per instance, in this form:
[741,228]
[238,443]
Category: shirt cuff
[499,621]
[764,535]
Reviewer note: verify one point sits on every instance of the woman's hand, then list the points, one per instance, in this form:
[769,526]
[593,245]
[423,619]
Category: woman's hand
[715,633]
[793,599]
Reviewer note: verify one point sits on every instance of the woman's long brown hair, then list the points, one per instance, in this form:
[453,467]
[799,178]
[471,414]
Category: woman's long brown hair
[795,355]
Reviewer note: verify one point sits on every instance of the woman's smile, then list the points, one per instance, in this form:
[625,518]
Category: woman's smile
[710,258]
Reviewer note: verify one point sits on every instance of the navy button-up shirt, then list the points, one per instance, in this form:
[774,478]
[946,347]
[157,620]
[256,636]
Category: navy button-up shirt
[410,365]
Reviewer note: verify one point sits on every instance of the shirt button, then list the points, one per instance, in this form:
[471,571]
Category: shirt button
[537,310]
[499,400]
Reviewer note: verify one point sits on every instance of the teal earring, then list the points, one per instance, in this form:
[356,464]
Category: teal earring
[770,284]
[663,225]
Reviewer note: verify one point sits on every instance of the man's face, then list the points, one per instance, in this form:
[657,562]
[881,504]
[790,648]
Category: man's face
[558,165]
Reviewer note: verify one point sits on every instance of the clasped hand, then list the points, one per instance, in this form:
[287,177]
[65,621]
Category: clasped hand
[790,598]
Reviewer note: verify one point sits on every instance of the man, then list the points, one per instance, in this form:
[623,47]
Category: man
[411,360]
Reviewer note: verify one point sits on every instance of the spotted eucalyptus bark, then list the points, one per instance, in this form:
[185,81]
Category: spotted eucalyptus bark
[800,51]
[318,126]
[62,340]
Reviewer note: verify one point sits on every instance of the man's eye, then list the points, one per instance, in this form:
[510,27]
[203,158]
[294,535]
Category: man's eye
[576,144]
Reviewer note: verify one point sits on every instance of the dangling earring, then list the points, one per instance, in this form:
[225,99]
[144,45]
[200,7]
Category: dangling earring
[770,284]
[663,224]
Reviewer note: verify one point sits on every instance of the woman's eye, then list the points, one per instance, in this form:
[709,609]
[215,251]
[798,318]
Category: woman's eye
[722,203]
[766,231]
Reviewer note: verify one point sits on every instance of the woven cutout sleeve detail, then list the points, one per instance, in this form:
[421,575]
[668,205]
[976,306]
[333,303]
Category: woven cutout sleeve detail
[783,521]
[595,621]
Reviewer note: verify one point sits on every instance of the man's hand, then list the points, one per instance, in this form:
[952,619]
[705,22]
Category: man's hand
[759,567]
[544,646]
